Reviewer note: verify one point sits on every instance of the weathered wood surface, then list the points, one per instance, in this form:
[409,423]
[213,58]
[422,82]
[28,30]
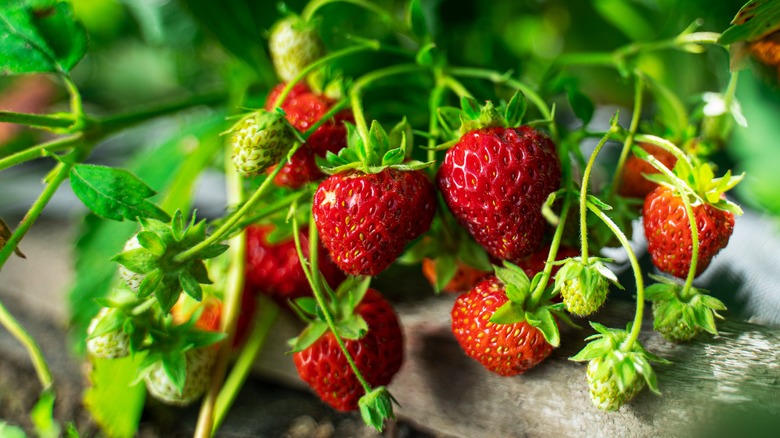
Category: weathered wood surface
[718,381]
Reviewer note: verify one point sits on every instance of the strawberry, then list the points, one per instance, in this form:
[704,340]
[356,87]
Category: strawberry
[668,232]
[584,284]
[293,44]
[495,180]
[199,363]
[106,337]
[378,355]
[260,140]
[679,314]
[617,371]
[632,183]
[503,348]
[464,278]
[303,108]
[132,279]
[366,219]
[275,270]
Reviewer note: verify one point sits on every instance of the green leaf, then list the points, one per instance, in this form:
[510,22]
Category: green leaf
[376,407]
[175,367]
[113,402]
[44,39]
[139,260]
[42,416]
[660,292]
[470,107]
[114,193]
[509,313]
[581,104]
[756,19]
[212,251]
[151,242]
[416,20]
[310,334]
[167,292]
[150,283]
[393,156]
[446,266]
[515,109]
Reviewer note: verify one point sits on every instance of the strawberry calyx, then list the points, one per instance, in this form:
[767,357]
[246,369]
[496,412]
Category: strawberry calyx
[376,407]
[695,180]
[616,360]
[679,314]
[584,284]
[164,275]
[375,153]
[522,307]
[455,122]
[348,324]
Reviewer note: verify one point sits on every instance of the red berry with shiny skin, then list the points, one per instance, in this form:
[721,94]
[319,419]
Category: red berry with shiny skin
[505,349]
[378,355]
[495,180]
[366,220]
[274,269]
[632,183]
[304,108]
[535,263]
[668,232]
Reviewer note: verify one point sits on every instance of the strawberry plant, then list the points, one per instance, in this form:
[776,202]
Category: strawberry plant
[347,149]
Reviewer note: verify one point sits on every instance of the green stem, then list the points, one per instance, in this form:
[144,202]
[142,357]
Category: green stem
[635,116]
[457,87]
[584,192]
[107,125]
[536,295]
[365,80]
[55,179]
[434,102]
[268,312]
[335,109]
[606,59]
[394,23]
[36,120]
[33,349]
[231,305]
[694,244]
[227,226]
[76,105]
[41,150]
[320,298]
[667,146]
[640,288]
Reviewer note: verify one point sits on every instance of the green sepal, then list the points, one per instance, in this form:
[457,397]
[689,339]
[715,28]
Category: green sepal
[353,328]
[212,251]
[112,320]
[376,407]
[151,242]
[446,267]
[175,366]
[581,104]
[308,336]
[515,278]
[190,285]
[150,283]
[509,313]
[177,225]
[198,271]
[515,109]
[139,260]
[167,292]
[195,338]
[542,318]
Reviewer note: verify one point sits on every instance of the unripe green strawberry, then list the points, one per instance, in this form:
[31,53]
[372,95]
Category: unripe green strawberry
[293,44]
[199,365]
[605,392]
[584,285]
[132,279]
[260,140]
[111,344]
[674,330]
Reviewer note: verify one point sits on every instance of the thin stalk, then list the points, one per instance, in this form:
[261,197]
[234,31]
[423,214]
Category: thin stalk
[457,87]
[667,146]
[584,195]
[268,312]
[40,150]
[227,226]
[320,298]
[395,24]
[231,306]
[36,120]
[335,109]
[640,287]
[109,124]
[362,82]
[55,179]
[536,295]
[33,349]
[694,244]
[434,102]
[635,116]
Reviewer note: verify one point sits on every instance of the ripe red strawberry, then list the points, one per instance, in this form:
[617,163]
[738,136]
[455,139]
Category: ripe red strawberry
[465,277]
[668,232]
[632,183]
[505,349]
[495,180]
[366,219]
[305,108]
[275,270]
[378,355]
